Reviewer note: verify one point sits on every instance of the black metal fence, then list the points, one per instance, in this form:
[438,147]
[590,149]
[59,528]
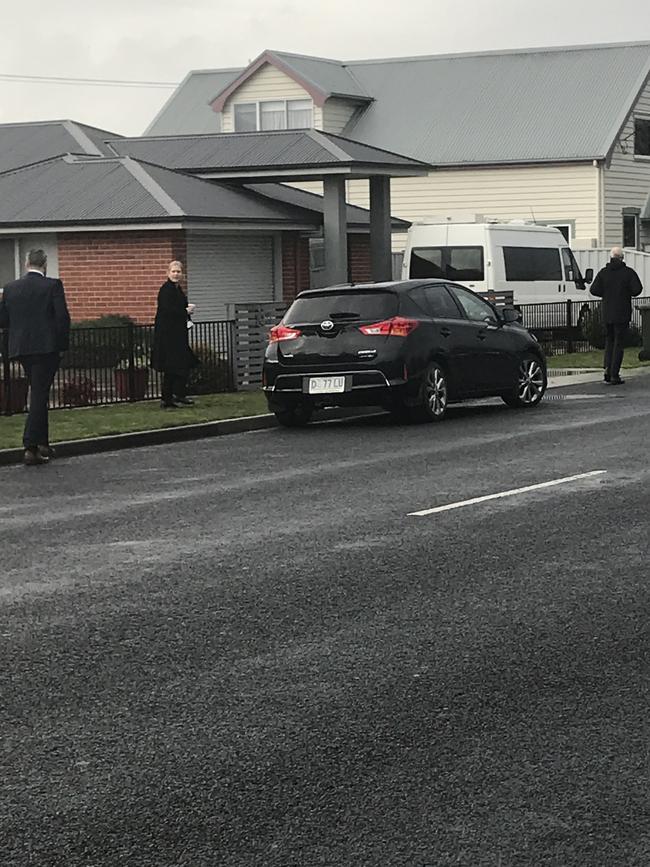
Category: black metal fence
[575,326]
[110,365]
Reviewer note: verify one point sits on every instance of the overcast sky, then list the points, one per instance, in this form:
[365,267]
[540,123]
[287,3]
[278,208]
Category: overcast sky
[161,40]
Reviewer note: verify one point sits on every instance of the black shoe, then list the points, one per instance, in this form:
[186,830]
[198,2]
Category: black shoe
[165,404]
[32,458]
[616,381]
[186,401]
[607,378]
[46,452]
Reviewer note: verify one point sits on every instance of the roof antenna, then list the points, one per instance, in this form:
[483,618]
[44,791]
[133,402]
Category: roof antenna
[533,214]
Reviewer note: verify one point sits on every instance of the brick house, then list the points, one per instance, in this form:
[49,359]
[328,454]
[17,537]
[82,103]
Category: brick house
[111,224]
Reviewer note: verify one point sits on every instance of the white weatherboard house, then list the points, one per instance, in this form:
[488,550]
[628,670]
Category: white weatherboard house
[560,136]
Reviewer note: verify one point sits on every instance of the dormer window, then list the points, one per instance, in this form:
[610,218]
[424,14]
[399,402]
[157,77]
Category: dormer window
[273,114]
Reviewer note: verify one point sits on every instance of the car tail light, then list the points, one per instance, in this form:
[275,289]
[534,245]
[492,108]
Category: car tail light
[283,332]
[398,326]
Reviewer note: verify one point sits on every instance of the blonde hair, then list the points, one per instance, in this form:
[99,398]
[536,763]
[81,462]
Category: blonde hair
[175,262]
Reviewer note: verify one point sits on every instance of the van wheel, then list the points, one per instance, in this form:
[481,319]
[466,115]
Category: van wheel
[295,416]
[531,384]
[434,395]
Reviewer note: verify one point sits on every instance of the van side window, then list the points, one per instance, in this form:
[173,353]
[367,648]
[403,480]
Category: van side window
[532,263]
[435,301]
[475,308]
[450,263]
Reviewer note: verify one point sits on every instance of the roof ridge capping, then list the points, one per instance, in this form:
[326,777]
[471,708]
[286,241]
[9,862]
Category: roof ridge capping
[151,186]
[547,49]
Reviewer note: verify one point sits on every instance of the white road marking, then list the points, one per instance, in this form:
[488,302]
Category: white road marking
[511,493]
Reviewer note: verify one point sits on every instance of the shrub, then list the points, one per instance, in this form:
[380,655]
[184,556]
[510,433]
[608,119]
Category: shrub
[593,330]
[104,342]
[79,391]
[213,374]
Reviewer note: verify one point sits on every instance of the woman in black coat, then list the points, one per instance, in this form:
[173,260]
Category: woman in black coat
[171,353]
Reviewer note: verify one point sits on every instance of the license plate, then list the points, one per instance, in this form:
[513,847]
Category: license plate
[326,384]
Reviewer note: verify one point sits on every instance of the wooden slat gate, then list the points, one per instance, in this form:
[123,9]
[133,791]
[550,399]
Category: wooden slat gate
[252,323]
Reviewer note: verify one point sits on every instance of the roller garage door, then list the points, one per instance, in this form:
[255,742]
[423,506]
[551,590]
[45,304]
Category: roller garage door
[228,269]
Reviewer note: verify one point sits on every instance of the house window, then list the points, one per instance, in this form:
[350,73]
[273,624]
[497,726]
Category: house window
[245,116]
[630,231]
[273,114]
[299,114]
[642,137]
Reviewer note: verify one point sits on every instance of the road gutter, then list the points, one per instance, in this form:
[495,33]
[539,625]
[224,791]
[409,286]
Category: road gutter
[224,427]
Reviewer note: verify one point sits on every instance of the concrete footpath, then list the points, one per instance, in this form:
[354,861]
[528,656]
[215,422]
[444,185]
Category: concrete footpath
[223,427]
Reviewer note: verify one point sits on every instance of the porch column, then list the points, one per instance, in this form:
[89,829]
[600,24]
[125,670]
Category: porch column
[335,230]
[381,264]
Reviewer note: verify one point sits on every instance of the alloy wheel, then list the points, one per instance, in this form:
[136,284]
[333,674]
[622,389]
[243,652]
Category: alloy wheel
[435,392]
[531,382]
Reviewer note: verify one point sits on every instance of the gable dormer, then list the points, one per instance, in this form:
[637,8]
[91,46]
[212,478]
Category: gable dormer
[286,91]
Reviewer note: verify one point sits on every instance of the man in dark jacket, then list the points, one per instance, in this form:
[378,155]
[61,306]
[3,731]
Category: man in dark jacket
[35,312]
[616,284]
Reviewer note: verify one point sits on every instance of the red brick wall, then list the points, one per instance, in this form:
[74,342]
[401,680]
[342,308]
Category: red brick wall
[359,258]
[116,272]
[295,265]
[295,262]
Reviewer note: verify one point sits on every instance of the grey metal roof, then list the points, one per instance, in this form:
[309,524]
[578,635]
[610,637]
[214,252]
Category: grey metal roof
[24,143]
[188,108]
[84,190]
[546,105]
[332,77]
[528,105]
[275,150]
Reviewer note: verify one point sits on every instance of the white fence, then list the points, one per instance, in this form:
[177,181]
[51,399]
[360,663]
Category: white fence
[598,257]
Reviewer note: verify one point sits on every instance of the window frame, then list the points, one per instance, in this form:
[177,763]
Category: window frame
[634,216]
[646,119]
[258,112]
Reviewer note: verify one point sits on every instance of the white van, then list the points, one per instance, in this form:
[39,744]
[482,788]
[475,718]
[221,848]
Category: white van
[534,262]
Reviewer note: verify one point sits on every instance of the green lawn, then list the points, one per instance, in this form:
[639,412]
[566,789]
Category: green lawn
[595,359]
[76,424]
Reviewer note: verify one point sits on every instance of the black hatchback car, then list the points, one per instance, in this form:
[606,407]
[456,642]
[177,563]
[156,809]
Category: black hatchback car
[411,347]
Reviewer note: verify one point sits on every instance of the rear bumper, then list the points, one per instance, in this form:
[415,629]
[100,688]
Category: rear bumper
[362,388]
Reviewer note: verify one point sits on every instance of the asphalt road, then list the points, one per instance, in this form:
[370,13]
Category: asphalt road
[247,651]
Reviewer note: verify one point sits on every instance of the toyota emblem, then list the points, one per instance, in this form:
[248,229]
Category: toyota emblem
[327,325]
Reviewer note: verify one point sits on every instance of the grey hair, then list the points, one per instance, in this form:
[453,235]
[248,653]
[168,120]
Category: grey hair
[617,253]
[36,259]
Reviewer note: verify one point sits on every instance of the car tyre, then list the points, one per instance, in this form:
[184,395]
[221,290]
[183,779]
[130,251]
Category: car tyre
[294,416]
[531,384]
[433,395]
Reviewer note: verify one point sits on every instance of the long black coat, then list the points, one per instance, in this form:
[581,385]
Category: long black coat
[616,284]
[34,310]
[171,346]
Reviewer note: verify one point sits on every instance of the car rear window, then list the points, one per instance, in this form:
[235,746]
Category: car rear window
[342,305]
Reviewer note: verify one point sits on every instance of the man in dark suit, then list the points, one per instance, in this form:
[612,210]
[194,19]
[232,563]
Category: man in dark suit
[616,284]
[34,310]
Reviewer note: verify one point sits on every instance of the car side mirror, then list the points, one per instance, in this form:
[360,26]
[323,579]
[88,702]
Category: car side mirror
[589,275]
[509,314]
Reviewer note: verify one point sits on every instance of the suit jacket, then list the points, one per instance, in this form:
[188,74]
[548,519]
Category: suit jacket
[616,284]
[34,310]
